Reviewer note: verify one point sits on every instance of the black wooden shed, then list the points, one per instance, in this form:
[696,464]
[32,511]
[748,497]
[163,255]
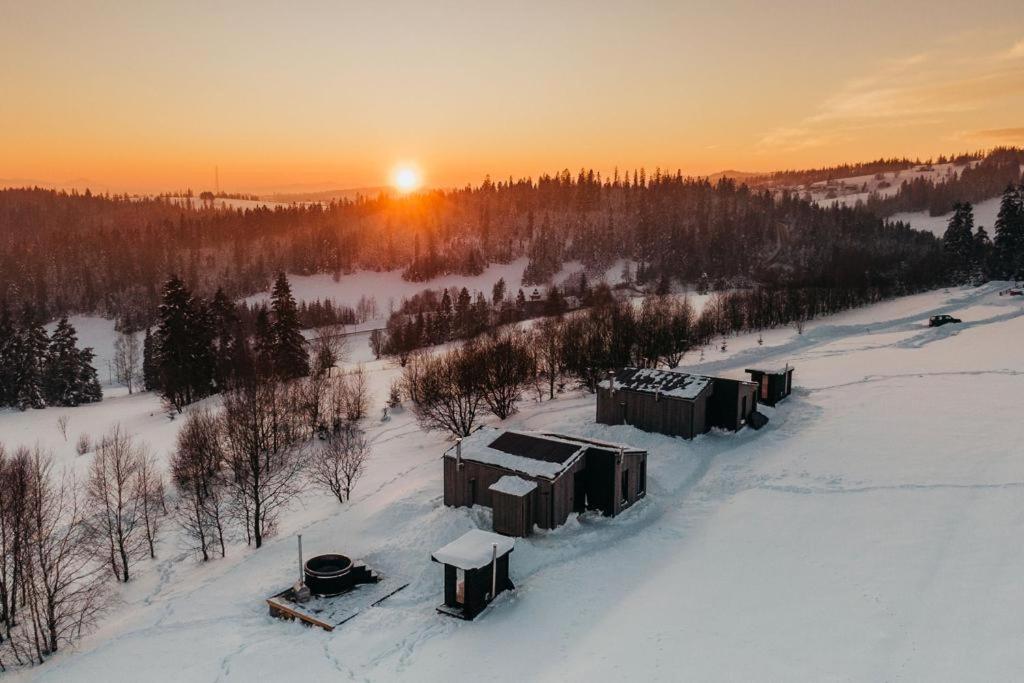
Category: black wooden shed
[475,572]
[774,384]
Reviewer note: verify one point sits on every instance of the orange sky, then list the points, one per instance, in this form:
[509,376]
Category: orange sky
[324,95]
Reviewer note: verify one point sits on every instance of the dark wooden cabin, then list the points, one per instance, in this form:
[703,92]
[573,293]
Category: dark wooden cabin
[674,403]
[475,572]
[774,384]
[533,478]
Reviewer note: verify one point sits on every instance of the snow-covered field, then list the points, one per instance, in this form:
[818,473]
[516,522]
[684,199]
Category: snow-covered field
[984,214]
[869,532]
[388,287]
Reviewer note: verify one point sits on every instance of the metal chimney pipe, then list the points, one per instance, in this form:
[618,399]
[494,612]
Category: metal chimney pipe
[494,570]
[458,452]
[302,573]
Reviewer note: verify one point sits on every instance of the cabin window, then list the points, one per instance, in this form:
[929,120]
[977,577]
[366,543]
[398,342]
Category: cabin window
[625,486]
[641,480]
[743,410]
[472,492]
[764,387]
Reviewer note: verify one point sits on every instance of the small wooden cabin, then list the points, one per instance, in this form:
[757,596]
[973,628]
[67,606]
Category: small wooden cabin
[533,478]
[774,384]
[475,572]
[674,403]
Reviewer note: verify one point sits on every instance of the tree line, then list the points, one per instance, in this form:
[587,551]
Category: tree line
[71,252]
[975,256]
[452,390]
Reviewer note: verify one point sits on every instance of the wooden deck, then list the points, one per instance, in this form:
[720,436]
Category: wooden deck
[329,613]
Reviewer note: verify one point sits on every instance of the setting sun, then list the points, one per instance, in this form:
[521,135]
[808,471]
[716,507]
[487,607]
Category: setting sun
[406,178]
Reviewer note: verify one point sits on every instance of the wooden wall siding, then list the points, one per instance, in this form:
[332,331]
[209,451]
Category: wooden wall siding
[652,413]
[779,386]
[725,406]
[513,515]
[552,502]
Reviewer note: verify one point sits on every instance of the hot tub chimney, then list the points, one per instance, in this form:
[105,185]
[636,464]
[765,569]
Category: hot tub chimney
[300,589]
[494,570]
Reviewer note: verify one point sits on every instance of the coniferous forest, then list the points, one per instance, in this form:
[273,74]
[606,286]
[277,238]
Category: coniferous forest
[83,253]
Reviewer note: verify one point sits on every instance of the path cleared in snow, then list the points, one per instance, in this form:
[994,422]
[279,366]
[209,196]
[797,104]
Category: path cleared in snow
[870,531]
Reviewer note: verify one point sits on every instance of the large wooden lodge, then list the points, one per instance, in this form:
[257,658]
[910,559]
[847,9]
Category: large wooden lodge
[676,403]
[532,478]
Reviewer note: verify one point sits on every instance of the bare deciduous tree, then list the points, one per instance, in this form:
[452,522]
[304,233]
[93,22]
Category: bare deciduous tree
[149,489]
[328,348]
[505,365]
[62,425]
[61,591]
[357,400]
[127,359]
[339,462]
[445,390]
[547,346]
[262,431]
[197,470]
[115,505]
[84,444]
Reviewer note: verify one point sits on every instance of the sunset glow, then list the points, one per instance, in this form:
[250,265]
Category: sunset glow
[406,179]
[279,100]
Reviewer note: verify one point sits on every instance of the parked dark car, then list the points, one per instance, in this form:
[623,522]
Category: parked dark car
[940,320]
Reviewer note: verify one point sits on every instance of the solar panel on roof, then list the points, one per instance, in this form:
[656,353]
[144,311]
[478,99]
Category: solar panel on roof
[537,448]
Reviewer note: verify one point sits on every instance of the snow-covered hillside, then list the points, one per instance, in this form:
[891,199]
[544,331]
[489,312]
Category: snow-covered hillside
[869,532]
[984,215]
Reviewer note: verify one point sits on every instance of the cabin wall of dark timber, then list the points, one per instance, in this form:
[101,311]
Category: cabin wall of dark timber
[513,515]
[552,501]
[725,405]
[477,588]
[653,412]
[780,385]
[604,480]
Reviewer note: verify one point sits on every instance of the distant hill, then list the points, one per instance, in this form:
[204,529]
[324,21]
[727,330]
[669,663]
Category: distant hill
[328,195]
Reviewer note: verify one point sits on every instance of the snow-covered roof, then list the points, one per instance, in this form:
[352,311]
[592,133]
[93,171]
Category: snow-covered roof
[530,453]
[779,370]
[513,485]
[473,549]
[665,382]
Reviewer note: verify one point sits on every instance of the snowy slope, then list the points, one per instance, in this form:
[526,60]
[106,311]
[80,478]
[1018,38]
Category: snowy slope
[984,214]
[870,531]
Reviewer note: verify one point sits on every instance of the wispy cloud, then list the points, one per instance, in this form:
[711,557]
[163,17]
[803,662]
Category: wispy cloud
[997,136]
[914,90]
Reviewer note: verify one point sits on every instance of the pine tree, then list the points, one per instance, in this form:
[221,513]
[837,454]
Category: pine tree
[1009,237]
[30,356]
[61,370]
[181,345]
[8,364]
[958,241]
[88,389]
[290,358]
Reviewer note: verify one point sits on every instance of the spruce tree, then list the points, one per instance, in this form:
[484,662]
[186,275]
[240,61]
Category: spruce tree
[8,362]
[290,358]
[263,342]
[181,347]
[1009,237]
[30,356]
[61,370]
[88,389]
[958,241]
